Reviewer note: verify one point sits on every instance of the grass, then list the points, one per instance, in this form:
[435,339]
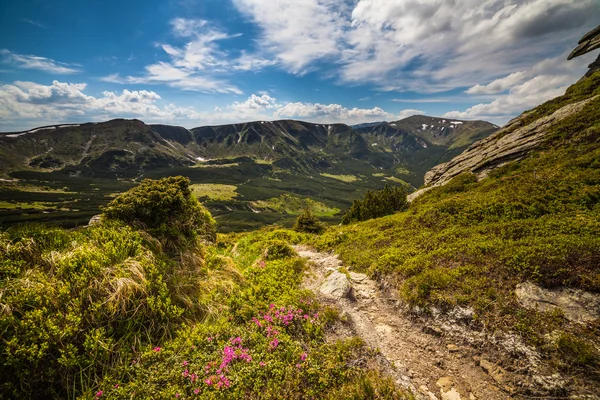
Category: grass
[295,205]
[6,205]
[134,320]
[470,243]
[214,191]
[343,178]
[397,180]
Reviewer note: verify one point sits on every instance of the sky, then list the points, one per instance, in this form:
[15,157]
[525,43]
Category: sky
[208,62]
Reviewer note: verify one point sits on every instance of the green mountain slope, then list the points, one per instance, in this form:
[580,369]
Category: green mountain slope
[63,173]
[472,242]
[113,149]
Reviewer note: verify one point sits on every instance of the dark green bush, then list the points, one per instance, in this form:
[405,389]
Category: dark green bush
[166,209]
[376,204]
[307,222]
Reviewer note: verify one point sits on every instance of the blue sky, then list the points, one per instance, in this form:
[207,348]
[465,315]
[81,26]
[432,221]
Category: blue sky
[204,62]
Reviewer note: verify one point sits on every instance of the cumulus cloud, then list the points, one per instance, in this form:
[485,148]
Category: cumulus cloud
[409,113]
[27,103]
[66,102]
[298,32]
[35,62]
[499,85]
[332,113]
[431,45]
[522,91]
[488,47]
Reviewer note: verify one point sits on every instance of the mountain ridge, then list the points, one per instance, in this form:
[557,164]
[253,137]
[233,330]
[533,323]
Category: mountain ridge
[124,148]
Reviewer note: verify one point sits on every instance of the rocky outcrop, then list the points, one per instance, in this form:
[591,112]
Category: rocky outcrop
[590,41]
[337,286]
[511,143]
[576,305]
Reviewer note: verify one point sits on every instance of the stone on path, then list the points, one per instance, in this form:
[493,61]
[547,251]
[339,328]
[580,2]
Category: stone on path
[336,285]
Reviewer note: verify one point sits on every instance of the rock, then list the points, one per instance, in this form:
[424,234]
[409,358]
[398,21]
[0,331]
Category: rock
[357,277]
[495,371]
[447,389]
[452,348]
[95,220]
[425,390]
[550,384]
[432,330]
[513,142]
[336,285]
[590,41]
[577,305]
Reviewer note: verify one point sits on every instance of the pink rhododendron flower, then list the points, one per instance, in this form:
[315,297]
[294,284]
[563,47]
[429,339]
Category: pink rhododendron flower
[99,393]
[303,356]
[157,349]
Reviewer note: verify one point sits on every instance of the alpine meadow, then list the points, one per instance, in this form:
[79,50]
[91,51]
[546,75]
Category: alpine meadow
[243,199]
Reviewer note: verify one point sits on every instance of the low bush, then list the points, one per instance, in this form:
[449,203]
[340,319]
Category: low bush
[376,204]
[167,209]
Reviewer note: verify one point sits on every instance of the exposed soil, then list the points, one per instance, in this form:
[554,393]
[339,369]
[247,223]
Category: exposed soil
[418,358]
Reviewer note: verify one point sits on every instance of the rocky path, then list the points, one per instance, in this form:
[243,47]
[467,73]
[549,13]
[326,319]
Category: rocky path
[418,358]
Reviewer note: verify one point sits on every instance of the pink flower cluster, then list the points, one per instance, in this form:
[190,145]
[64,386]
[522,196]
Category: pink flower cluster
[284,316]
[230,353]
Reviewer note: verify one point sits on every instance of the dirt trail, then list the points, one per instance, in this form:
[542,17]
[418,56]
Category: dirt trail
[422,362]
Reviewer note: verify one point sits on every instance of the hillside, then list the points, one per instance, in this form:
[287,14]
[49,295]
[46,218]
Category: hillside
[500,253]
[241,171]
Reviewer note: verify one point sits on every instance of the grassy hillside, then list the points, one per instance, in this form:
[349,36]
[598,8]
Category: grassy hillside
[470,243]
[147,304]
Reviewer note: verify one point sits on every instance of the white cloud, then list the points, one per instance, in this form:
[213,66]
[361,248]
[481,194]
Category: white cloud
[521,97]
[64,102]
[35,62]
[417,45]
[198,65]
[499,85]
[409,113]
[33,104]
[330,113]
[298,32]
[545,80]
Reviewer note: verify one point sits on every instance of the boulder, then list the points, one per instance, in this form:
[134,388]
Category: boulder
[577,305]
[95,220]
[336,285]
[513,142]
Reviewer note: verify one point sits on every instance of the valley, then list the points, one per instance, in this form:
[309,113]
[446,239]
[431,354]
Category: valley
[75,169]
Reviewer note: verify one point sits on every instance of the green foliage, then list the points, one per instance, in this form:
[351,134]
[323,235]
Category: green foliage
[274,333]
[469,243]
[376,204]
[293,205]
[83,300]
[167,209]
[307,222]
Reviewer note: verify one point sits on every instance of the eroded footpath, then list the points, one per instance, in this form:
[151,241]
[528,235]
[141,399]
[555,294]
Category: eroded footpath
[417,357]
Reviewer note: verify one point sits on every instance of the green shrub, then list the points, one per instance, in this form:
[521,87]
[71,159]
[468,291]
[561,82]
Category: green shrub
[376,204]
[307,222]
[167,209]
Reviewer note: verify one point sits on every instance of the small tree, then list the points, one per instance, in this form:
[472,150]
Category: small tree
[166,209]
[376,204]
[307,222]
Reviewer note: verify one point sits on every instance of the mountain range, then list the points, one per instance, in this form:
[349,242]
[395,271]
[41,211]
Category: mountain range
[126,148]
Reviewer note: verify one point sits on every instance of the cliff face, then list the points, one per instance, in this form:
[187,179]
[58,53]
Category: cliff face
[513,142]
